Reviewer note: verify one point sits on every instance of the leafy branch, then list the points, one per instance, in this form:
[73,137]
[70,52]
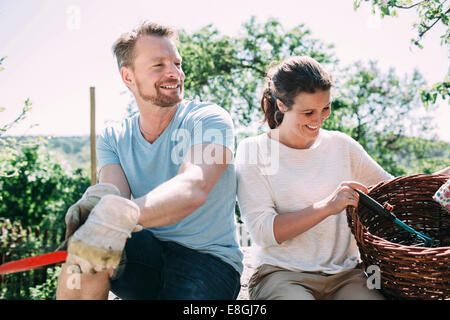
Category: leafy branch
[429,12]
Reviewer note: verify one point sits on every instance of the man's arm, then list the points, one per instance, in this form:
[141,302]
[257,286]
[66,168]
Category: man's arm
[113,173]
[176,198]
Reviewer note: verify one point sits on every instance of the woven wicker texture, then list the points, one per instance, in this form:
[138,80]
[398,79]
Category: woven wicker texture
[407,271]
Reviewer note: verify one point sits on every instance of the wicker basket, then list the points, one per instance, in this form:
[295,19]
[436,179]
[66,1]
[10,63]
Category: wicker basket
[407,271]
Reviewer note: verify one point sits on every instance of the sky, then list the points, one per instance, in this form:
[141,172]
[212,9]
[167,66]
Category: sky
[57,50]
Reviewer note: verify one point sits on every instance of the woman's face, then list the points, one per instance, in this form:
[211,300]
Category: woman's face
[306,116]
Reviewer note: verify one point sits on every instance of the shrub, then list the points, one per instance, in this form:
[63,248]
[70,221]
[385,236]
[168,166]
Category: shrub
[35,194]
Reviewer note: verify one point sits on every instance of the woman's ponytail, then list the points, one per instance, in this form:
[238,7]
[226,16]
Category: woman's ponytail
[269,106]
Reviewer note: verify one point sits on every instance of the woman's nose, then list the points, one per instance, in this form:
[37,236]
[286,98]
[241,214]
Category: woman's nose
[317,119]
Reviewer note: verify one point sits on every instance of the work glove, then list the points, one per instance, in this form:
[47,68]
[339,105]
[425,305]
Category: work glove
[78,212]
[98,244]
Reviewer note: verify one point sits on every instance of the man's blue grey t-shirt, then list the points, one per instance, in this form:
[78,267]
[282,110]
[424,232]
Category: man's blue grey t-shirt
[209,229]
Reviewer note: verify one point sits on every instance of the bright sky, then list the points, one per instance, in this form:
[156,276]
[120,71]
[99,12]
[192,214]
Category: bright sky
[56,50]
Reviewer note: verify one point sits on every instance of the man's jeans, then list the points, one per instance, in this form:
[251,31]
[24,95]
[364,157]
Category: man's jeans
[165,270]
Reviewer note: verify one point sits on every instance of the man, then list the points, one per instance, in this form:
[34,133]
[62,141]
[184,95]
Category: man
[174,161]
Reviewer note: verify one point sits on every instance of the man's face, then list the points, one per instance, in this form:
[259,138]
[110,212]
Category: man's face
[158,76]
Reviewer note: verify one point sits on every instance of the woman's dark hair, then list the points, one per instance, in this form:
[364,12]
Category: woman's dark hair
[286,80]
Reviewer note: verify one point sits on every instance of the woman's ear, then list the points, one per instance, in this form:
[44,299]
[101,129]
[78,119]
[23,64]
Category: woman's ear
[281,106]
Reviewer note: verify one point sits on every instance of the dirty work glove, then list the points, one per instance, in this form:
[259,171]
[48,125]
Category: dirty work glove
[98,244]
[78,212]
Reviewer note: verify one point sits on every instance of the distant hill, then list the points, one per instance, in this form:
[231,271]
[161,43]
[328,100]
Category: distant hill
[76,151]
[73,152]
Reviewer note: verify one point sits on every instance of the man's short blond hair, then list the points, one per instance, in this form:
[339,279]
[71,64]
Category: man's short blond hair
[123,48]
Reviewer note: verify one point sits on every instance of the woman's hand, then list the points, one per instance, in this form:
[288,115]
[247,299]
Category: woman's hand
[445,171]
[344,195]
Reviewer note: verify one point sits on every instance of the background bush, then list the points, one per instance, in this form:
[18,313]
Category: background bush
[35,194]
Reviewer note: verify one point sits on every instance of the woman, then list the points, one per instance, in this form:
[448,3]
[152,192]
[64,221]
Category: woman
[294,184]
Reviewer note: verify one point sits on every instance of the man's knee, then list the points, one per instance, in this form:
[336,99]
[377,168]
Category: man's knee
[73,285]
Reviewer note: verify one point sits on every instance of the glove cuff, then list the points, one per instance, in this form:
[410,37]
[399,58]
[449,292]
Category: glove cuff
[117,212]
[101,189]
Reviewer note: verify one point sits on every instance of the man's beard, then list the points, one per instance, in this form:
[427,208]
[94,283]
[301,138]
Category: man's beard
[160,99]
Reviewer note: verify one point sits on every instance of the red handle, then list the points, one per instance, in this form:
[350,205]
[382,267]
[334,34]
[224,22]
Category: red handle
[33,262]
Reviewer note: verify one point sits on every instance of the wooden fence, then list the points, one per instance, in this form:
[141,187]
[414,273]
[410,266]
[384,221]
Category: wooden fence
[243,236]
[18,242]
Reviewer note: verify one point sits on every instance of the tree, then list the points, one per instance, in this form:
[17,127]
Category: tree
[40,191]
[429,14]
[230,71]
[8,150]
[25,110]
[373,107]
[35,193]
[369,104]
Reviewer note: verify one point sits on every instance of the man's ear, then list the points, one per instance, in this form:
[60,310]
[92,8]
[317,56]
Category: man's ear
[127,77]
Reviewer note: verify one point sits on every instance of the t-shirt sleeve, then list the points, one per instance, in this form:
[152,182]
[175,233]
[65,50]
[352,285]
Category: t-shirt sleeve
[106,149]
[366,170]
[213,124]
[254,198]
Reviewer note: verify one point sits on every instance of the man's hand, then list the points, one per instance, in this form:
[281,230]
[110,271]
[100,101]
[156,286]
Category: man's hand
[78,212]
[98,244]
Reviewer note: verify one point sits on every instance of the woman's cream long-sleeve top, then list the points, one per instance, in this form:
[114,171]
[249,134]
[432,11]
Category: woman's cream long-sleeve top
[275,179]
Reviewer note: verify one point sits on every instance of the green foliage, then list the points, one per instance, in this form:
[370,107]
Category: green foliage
[1,68]
[8,145]
[17,242]
[35,192]
[38,190]
[25,110]
[429,13]
[74,152]
[46,290]
[371,106]
[230,71]
[439,89]
[418,155]
[35,196]
[13,235]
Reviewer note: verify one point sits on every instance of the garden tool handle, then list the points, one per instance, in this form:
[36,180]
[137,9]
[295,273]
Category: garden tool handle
[375,206]
[386,212]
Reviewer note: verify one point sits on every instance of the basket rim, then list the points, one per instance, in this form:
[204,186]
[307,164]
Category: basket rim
[367,237]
